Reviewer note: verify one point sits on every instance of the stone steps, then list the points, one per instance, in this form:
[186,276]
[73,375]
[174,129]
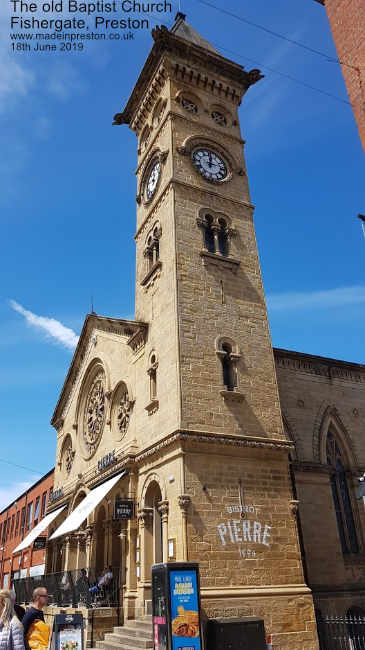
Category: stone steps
[134,635]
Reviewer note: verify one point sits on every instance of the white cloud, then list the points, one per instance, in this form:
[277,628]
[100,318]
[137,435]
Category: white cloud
[295,300]
[51,327]
[11,492]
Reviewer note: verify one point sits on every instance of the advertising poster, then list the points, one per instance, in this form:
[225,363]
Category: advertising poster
[69,639]
[185,623]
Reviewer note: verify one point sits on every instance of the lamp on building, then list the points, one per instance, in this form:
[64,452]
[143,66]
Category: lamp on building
[360,490]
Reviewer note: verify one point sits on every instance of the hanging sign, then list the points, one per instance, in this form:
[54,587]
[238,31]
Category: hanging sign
[39,543]
[124,509]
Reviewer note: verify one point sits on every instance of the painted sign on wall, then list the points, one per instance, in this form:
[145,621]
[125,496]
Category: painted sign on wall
[244,531]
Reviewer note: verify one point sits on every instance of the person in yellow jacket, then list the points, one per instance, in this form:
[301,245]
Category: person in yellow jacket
[38,635]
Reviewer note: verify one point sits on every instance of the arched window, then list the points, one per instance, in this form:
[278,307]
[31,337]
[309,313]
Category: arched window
[229,355]
[228,367]
[152,371]
[209,234]
[216,233]
[222,237]
[152,250]
[341,496]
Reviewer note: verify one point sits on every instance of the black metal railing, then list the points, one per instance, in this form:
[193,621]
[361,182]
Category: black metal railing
[341,632]
[83,587]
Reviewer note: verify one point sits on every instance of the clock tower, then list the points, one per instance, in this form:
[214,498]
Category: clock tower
[213,464]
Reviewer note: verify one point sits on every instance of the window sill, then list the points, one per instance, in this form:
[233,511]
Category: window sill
[151,273]
[354,559]
[232,395]
[228,263]
[152,407]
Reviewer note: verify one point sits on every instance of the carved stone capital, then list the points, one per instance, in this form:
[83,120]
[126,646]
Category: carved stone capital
[294,507]
[144,516]
[182,150]
[163,508]
[184,501]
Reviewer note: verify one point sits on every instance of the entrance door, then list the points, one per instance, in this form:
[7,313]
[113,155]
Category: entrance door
[153,529]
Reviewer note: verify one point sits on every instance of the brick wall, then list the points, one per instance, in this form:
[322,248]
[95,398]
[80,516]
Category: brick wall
[347,20]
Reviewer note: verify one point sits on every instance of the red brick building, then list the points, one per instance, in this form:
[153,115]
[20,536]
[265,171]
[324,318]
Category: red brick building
[16,521]
[347,21]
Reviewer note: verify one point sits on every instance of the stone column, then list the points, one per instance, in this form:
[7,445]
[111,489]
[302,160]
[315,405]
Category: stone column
[128,550]
[89,544]
[66,558]
[81,550]
[216,241]
[163,508]
[184,502]
[146,551]
[107,542]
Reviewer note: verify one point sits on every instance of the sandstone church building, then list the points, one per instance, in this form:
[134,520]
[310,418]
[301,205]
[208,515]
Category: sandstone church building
[180,412]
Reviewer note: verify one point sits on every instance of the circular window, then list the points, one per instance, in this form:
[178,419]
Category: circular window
[188,105]
[123,411]
[219,118]
[94,414]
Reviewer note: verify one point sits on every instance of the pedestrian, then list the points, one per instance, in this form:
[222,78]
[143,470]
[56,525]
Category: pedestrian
[18,609]
[11,629]
[36,631]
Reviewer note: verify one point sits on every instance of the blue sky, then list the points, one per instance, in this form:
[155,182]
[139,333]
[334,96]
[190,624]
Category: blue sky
[67,202]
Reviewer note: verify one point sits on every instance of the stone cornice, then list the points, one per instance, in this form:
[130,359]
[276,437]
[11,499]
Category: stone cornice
[319,366]
[167,42]
[118,326]
[197,437]
[255,591]
[316,468]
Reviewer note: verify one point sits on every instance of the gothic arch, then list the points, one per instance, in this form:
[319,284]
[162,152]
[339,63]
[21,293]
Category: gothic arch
[81,492]
[153,478]
[66,443]
[329,417]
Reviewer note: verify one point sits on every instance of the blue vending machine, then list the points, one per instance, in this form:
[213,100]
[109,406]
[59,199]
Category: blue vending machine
[176,616]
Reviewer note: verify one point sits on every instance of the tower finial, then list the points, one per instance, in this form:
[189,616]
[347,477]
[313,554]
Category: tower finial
[180,17]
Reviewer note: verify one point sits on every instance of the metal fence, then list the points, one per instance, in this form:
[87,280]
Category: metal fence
[81,588]
[341,633]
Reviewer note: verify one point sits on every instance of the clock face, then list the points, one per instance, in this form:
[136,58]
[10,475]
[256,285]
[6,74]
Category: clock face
[209,164]
[152,180]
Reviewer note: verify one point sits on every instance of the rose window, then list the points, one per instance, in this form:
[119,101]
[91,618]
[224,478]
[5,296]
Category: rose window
[124,412]
[94,414]
[219,118]
[188,105]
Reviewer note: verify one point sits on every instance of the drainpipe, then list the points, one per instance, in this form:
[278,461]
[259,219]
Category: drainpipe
[299,524]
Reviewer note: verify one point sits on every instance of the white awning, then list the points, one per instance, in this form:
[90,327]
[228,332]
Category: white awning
[43,524]
[87,505]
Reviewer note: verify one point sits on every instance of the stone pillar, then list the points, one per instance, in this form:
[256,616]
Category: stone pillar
[184,502]
[128,550]
[89,544]
[66,558]
[216,241]
[144,517]
[81,551]
[163,508]
[107,542]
